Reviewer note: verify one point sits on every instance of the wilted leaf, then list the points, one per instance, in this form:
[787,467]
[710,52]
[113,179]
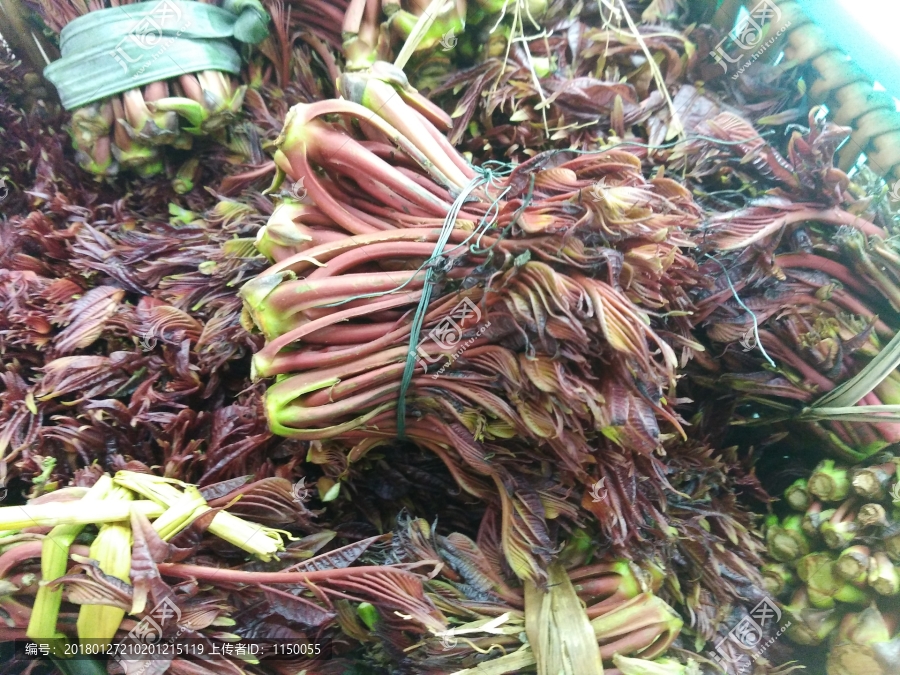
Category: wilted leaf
[295,608]
[558,628]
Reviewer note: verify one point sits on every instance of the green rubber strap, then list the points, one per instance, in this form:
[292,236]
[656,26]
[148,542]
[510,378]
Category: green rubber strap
[113,50]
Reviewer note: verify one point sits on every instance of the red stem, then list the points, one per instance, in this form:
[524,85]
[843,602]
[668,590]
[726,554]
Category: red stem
[308,360]
[349,335]
[331,12]
[387,201]
[389,106]
[353,17]
[841,432]
[594,570]
[837,216]
[633,643]
[25,551]
[305,113]
[319,46]
[379,251]
[291,297]
[852,304]
[610,604]
[890,431]
[203,573]
[325,252]
[300,168]
[342,193]
[389,154]
[19,613]
[269,354]
[301,417]
[430,124]
[19,554]
[590,590]
[772,342]
[344,153]
[830,267]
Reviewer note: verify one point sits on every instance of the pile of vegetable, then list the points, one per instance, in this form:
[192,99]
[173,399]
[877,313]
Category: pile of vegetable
[130,129]
[836,569]
[471,338]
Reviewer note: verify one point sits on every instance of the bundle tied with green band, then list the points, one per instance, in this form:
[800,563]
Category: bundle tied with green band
[472,310]
[142,76]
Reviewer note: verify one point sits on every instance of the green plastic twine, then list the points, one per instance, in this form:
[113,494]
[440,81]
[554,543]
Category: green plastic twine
[110,51]
[749,311]
[485,176]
